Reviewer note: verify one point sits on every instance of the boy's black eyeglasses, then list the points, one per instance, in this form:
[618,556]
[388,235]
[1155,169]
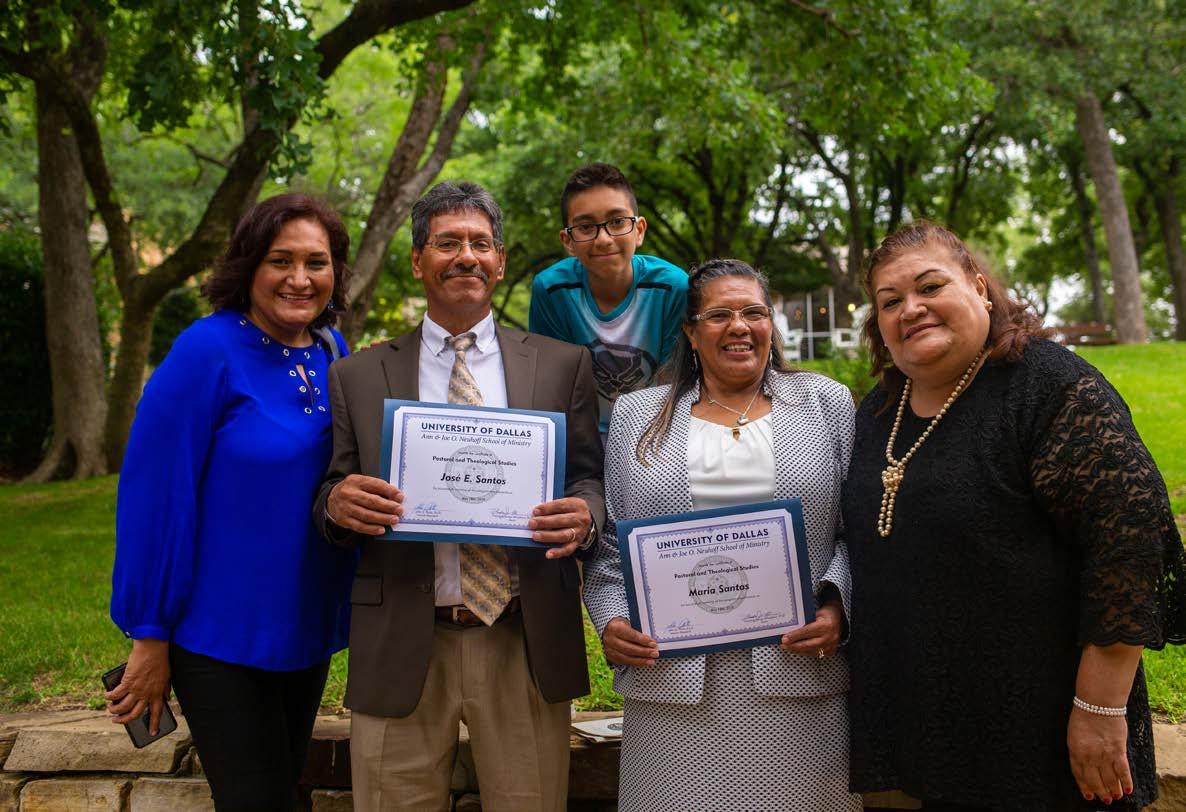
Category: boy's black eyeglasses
[615,227]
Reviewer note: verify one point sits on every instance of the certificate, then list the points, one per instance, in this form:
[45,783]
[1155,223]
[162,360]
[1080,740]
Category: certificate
[718,579]
[470,473]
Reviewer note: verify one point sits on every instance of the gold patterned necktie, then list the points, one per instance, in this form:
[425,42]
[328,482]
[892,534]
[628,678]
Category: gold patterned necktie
[485,574]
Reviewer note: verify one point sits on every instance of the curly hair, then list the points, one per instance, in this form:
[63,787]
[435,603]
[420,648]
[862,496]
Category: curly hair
[1010,324]
[229,285]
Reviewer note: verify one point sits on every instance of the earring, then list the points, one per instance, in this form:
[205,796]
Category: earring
[695,361]
[988,306]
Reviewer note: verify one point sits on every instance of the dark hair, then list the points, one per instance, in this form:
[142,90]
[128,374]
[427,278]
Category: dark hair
[229,284]
[452,198]
[682,370]
[1010,322]
[590,176]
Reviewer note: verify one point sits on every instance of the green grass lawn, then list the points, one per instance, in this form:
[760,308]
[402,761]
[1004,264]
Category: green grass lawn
[57,543]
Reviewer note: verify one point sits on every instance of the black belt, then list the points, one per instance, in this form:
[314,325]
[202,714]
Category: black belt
[462,615]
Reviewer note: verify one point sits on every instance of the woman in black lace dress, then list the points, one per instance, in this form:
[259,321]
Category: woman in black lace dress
[1012,551]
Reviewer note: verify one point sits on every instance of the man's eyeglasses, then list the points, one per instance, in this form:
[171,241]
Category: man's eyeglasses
[451,247]
[721,316]
[615,227]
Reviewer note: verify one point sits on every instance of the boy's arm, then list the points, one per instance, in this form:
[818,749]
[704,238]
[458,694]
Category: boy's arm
[541,316]
[677,303]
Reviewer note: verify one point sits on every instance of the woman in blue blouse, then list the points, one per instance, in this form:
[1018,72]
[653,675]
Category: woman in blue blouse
[220,578]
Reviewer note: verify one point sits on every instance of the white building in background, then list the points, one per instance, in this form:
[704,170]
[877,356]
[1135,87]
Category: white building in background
[807,323]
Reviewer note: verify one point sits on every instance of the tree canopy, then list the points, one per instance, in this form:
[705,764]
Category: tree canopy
[794,134]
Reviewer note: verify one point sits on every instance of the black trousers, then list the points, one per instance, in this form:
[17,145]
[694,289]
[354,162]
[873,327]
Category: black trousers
[251,727]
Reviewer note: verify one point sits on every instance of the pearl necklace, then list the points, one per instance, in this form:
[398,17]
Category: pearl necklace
[891,477]
[742,416]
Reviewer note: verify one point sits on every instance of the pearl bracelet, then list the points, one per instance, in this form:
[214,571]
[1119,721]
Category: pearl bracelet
[1099,710]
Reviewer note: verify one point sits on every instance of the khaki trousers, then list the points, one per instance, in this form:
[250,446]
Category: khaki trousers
[480,676]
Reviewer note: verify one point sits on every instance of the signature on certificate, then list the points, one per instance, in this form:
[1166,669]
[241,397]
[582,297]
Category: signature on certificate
[681,626]
[761,617]
[427,510]
[508,514]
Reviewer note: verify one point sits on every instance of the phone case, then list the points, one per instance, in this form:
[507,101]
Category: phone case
[138,728]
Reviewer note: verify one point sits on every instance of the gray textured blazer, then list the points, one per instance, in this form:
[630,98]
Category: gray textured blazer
[392,600]
[812,424]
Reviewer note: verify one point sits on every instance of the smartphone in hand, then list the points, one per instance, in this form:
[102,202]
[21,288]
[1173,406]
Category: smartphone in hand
[138,728]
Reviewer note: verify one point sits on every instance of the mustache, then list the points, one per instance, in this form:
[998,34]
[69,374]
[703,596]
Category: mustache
[456,271]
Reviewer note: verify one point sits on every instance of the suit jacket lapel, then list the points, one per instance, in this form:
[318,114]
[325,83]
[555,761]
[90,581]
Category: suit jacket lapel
[518,364]
[401,366]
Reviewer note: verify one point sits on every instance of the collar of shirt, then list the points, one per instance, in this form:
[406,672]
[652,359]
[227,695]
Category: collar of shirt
[433,335]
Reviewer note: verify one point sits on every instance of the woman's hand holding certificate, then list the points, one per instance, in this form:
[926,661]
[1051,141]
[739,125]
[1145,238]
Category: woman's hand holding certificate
[718,579]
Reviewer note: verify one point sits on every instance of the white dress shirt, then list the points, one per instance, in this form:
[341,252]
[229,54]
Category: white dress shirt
[484,360]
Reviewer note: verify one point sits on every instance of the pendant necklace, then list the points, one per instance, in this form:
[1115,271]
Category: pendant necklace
[742,416]
[891,477]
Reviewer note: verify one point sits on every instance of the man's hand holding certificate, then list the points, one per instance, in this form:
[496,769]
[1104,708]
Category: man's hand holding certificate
[717,579]
[466,474]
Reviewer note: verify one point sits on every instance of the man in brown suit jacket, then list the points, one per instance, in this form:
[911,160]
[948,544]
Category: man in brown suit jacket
[421,659]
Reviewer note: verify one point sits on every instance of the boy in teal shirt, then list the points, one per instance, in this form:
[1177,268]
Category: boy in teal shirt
[626,308]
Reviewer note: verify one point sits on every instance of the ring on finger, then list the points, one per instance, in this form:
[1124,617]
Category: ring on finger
[572,534]
[821,654]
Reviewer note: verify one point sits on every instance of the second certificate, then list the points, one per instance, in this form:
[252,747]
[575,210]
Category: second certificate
[718,579]
[469,474]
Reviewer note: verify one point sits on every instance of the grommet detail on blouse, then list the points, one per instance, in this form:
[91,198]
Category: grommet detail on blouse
[306,354]
[243,322]
[304,389]
[292,373]
[316,391]
[321,408]
[312,373]
[266,340]
[308,410]
[285,352]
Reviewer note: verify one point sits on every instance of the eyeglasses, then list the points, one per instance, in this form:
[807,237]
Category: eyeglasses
[720,316]
[615,227]
[451,247]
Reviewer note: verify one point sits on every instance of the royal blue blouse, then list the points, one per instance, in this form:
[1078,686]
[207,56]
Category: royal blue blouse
[215,547]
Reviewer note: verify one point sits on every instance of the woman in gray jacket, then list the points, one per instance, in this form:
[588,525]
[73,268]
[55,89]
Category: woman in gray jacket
[758,728]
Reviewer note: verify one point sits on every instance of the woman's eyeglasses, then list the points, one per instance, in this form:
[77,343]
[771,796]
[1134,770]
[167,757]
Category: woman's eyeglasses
[720,316]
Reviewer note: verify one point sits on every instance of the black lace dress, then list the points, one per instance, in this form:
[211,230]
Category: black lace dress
[1031,522]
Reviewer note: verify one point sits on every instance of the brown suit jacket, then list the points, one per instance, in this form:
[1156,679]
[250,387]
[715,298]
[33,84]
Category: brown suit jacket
[392,599]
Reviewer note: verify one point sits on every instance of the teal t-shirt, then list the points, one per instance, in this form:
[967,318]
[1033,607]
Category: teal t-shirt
[629,343]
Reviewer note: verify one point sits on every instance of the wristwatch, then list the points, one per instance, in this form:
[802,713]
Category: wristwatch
[591,537]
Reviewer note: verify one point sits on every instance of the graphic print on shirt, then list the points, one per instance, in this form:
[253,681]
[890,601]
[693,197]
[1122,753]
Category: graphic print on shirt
[620,365]
[620,368]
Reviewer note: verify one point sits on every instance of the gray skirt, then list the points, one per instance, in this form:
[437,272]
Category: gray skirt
[736,749]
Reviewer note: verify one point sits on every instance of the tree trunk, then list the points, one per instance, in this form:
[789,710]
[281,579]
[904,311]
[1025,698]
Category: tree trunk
[127,381]
[846,289]
[1091,255]
[1171,234]
[405,178]
[72,323]
[1126,283]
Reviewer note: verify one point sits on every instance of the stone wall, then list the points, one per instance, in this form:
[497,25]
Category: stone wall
[77,761]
